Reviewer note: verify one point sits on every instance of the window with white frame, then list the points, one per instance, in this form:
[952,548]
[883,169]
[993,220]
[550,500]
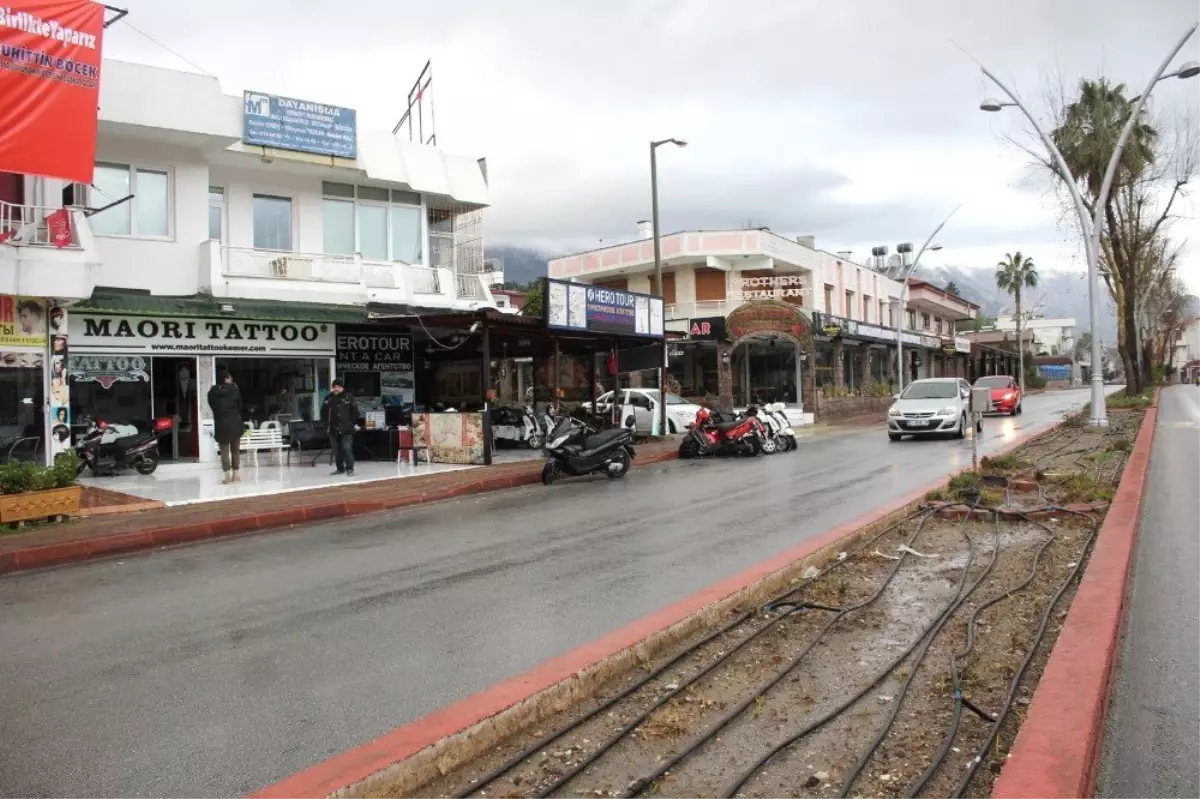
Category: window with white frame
[216,213]
[380,224]
[272,217]
[148,213]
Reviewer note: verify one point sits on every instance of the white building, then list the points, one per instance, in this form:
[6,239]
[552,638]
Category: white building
[1187,353]
[729,291]
[193,250]
[1050,336]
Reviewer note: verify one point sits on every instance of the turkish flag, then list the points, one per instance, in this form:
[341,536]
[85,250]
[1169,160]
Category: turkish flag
[50,82]
[59,225]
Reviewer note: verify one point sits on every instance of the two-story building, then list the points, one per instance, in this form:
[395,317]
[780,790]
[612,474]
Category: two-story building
[759,316]
[223,231]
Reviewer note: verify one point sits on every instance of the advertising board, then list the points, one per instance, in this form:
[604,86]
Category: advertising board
[595,309]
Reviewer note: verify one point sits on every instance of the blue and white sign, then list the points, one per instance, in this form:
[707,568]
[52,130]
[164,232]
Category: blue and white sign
[300,125]
[577,306]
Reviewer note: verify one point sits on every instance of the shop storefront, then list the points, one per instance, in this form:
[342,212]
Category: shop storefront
[25,333]
[377,367]
[135,369]
[856,356]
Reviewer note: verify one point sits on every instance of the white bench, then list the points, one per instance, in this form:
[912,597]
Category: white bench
[265,438]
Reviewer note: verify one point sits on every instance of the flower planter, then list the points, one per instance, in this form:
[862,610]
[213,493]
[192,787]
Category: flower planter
[37,505]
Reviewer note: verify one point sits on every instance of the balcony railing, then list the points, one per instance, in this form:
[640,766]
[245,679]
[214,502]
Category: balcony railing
[469,287]
[25,225]
[249,262]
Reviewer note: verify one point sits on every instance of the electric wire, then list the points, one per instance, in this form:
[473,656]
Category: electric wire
[1002,715]
[791,740]
[781,601]
[918,660]
[641,784]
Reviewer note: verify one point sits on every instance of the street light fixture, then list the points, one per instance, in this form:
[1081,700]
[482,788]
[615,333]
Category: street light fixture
[1092,226]
[905,274]
[658,277]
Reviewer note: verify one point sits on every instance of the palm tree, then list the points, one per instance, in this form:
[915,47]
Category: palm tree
[1014,273]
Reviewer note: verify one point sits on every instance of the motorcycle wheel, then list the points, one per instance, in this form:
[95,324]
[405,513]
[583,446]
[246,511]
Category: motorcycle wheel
[624,461]
[689,448]
[534,441]
[79,467]
[769,446]
[146,465]
[549,473]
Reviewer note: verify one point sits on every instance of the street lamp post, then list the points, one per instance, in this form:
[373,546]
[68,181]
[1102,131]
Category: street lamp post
[658,276]
[1092,227]
[905,274]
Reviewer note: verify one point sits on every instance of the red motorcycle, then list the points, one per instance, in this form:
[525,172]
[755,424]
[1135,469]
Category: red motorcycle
[709,435]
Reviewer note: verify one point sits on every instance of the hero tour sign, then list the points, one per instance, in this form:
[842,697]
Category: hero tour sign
[103,333]
[595,309]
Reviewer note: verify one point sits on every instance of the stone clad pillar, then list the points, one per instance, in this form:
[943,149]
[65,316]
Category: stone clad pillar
[839,364]
[868,355]
[725,375]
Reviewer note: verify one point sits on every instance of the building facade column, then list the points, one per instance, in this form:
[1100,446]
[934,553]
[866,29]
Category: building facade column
[725,375]
[839,364]
[867,357]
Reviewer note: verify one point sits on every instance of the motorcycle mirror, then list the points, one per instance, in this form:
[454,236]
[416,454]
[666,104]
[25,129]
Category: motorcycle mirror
[630,422]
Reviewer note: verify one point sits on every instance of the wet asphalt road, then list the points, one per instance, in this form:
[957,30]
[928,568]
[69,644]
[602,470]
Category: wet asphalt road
[1152,740]
[217,669]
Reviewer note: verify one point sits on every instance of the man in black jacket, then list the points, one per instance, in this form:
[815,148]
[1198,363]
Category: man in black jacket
[340,412]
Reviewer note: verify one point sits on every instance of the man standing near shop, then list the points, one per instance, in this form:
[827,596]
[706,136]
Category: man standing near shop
[340,413]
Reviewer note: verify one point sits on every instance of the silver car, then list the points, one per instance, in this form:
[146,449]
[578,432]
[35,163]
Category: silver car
[936,406]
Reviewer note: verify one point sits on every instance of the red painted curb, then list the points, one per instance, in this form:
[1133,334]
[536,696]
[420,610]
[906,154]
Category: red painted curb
[57,554]
[1058,747]
[359,763]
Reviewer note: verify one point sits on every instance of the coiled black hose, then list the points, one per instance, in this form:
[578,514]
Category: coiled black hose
[640,785]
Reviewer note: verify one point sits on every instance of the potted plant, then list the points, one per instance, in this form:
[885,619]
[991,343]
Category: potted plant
[31,491]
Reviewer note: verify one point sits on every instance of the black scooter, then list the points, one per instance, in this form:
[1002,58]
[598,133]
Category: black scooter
[107,449]
[573,449]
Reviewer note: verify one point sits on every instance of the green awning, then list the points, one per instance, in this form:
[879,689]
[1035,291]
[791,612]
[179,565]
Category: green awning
[203,305]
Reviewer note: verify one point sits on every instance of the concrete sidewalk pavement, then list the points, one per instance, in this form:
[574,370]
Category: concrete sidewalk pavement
[1152,737]
[112,534]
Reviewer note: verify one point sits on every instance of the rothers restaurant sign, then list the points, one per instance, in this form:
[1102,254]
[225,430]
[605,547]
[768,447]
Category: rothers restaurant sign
[165,335]
[50,85]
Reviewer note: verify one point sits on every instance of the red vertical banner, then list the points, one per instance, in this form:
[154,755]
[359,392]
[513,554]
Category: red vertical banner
[59,225]
[50,84]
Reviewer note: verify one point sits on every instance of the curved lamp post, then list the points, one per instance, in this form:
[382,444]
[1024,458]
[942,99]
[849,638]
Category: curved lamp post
[904,276]
[1092,226]
[658,277]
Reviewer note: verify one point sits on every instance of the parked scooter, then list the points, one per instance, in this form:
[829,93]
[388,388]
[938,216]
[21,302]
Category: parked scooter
[787,436]
[713,434]
[110,449]
[573,449]
[520,426]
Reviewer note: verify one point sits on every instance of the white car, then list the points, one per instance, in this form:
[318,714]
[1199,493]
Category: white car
[936,406]
[680,412]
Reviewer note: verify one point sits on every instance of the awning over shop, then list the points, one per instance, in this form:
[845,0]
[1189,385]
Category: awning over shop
[130,303]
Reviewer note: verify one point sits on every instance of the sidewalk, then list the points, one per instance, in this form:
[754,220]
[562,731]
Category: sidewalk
[115,533]
[1150,743]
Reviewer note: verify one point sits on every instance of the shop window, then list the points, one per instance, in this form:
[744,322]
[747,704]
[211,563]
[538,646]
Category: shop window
[710,285]
[829,299]
[272,222]
[668,292]
[379,224]
[216,213]
[21,399]
[146,214]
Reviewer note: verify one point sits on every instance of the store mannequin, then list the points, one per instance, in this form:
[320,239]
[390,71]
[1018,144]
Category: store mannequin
[185,393]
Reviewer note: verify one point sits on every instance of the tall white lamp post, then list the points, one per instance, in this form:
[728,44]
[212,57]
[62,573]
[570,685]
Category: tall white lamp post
[905,274]
[658,276]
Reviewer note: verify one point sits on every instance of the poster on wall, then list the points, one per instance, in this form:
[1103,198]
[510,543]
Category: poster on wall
[60,389]
[50,79]
[22,322]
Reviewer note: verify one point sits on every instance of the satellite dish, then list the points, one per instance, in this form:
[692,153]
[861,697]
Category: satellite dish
[893,261]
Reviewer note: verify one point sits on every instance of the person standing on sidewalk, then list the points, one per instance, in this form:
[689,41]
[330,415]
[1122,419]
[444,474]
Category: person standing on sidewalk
[340,412]
[225,399]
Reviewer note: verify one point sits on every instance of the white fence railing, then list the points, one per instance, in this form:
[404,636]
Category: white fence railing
[469,287]
[22,225]
[692,310]
[249,262]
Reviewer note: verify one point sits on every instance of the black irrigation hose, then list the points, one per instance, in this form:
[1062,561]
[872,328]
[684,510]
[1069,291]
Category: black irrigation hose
[550,738]
[920,658]
[952,731]
[641,784]
[1037,641]
[821,722]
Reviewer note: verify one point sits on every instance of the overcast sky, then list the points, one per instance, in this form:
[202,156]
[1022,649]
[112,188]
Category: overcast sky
[855,121]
